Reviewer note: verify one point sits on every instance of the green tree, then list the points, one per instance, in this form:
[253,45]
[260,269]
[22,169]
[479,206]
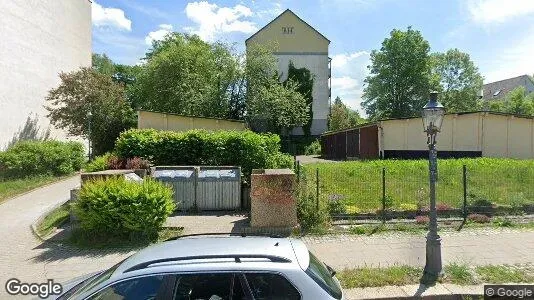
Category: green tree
[186,75]
[400,76]
[519,103]
[459,79]
[516,102]
[343,117]
[280,106]
[88,96]
[304,78]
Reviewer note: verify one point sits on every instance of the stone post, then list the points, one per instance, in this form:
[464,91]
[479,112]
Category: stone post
[272,199]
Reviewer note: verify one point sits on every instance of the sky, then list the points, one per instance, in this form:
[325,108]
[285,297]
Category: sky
[497,34]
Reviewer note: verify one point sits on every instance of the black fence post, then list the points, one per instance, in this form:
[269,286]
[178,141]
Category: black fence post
[383,195]
[317,187]
[298,170]
[465,192]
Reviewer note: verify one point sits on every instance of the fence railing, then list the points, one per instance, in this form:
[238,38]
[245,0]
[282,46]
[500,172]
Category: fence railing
[382,193]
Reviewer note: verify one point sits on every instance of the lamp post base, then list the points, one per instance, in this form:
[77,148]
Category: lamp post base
[433,267]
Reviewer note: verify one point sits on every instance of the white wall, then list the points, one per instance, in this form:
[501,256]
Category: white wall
[495,135]
[318,65]
[39,38]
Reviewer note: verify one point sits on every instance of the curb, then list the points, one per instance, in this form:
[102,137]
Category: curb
[33,226]
[417,291]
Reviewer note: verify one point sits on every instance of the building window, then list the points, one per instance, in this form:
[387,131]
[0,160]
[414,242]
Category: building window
[496,93]
[287,30]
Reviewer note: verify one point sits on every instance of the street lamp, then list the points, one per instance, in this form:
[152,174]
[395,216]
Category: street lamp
[89,115]
[433,113]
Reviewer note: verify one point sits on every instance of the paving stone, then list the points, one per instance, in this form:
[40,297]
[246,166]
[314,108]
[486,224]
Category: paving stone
[375,293]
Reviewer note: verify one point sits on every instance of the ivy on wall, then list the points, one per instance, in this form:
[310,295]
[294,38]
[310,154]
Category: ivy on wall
[304,78]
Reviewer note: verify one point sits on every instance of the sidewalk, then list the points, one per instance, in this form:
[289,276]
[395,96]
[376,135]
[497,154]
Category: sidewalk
[469,246]
[439,291]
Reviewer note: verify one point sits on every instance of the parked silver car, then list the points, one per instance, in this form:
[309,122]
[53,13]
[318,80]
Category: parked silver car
[213,268]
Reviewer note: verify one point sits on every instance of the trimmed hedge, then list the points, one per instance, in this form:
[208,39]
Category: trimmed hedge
[117,207]
[199,147]
[30,158]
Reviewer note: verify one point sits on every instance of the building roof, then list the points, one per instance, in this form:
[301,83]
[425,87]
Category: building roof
[287,11]
[188,116]
[405,118]
[499,89]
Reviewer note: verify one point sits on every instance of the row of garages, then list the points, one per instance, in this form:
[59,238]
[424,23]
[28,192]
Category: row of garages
[471,134]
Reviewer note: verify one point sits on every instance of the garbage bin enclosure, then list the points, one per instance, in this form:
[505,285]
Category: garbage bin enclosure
[203,188]
[219,188]
[182,180]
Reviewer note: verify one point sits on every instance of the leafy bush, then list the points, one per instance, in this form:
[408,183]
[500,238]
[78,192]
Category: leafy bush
[309,216]
[503,222]
[422,220]
[115,162]
[408,207]
[443,207]
[199,147]
[336,207]
[478,218]
[313,149]
[115,206]
[30,158]
[99,163]
[482,203]
[353,209]
[137,163]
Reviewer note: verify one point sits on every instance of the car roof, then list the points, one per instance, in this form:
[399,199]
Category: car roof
[205,249]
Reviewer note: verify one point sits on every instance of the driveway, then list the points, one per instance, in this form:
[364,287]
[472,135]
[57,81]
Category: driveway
[25,257]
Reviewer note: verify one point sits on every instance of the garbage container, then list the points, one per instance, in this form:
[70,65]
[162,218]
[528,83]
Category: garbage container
[219,188]
[183,182]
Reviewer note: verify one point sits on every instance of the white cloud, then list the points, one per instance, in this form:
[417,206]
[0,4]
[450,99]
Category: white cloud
[498,11]
[159,34]
[517,59]
[348,74]
[344,83]
[341,60]
[109,17]
[212,19]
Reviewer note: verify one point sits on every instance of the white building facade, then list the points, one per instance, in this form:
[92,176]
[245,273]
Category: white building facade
[305,47]
[40,39]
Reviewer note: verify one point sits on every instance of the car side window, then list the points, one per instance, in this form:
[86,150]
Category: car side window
[143,288]
[271,286]
[212,286]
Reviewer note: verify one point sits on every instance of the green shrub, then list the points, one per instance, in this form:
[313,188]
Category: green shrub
[313,149]
[503,222]
[478,218]
[336,207]
[199,147]
[115,206]
[310,218]
[99,163]
[30,158]
[407,207]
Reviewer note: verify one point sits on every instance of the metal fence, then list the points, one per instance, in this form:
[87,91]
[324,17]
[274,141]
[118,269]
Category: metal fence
[380,193]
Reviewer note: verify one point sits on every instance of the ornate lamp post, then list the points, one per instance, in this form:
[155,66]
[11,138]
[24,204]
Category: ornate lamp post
[433,113]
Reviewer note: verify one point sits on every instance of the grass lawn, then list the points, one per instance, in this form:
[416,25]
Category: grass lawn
[53,220]
[13,187]
[454,273]
[358,184]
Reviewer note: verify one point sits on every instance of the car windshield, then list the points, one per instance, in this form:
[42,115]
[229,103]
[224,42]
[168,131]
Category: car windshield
[323,277]
[89,283]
